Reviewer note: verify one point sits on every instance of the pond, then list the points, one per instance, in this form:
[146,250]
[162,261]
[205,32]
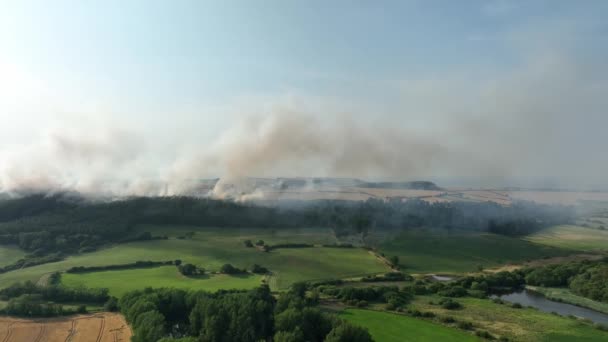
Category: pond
[529,298]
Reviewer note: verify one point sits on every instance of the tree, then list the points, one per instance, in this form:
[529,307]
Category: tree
[258,269]
[347,332]
[394,260]
[111,304]
[248,243]
[289,336]
[177,262]
[260,243]
[187,269]
[149,326]
[229,269]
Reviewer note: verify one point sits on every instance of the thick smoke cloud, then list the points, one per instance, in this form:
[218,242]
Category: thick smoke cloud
[542,120]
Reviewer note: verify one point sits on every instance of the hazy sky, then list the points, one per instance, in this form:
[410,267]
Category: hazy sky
[491,90]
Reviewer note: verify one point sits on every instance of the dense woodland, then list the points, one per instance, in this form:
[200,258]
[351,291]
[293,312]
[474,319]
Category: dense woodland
[177,315]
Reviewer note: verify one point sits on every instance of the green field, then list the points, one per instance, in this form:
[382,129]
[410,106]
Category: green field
[516,324]
[119,282]
[10,254]
[389,327]
[428,250]
[565,295]
[572,237]
[211,248]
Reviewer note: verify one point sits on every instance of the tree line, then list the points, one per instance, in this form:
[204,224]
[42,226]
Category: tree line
[62,223]
[255,315]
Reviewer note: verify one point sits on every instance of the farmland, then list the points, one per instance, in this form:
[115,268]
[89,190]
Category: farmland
[10,254]
[390,327]
[211,248]
[106,327]
[428,250]
[572,237]
[119,282]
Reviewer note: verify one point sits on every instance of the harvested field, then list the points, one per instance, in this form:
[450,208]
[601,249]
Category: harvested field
[103,327]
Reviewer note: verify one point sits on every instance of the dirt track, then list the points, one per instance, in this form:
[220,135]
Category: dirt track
[102,327]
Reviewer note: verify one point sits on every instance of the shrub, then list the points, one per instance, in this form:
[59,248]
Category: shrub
[248,243]
[465,325]
[450,304]
[448,319]
[259,269]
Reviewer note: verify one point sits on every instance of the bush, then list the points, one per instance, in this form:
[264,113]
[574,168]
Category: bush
[484,334]
[450,304]
[465,325]
[248,243]
[516,306]
[190,270]
[259,269]
[447,319]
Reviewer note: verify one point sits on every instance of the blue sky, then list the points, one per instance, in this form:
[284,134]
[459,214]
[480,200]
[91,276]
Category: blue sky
[161,67]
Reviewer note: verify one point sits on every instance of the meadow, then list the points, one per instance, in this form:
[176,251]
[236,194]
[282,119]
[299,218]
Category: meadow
[572,237]
[10,254]
[120,282]
[431,250]
[390,327]
[525,324]
[211,248]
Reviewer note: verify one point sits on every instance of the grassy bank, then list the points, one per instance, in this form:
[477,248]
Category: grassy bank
[525,324]
[566,296]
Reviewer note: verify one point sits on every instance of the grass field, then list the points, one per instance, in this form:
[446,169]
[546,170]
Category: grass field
[516,324]
[106,327]
[572,237]
[426,250]
[120,282]
[565,295]
[389,327]
[211,248]
[10,254]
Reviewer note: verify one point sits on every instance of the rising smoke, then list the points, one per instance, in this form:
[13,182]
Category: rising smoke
[543,119]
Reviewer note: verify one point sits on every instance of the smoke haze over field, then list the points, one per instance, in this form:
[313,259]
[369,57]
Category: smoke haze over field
[532,112]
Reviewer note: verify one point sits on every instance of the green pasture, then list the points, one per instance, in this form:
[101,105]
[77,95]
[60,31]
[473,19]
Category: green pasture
[10,254]
[389,327]
[211,248]
[122,281]
[572,237]
[524,324]
[431,250]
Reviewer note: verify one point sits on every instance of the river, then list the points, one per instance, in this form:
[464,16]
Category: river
[529,298]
